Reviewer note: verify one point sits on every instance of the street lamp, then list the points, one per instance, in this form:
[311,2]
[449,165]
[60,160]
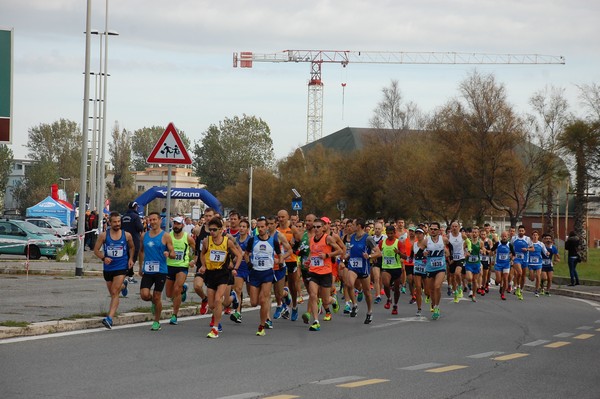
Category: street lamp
[64,180]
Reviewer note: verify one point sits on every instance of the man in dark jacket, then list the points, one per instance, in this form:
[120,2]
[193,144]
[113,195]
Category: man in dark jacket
[131,223]
[572,246]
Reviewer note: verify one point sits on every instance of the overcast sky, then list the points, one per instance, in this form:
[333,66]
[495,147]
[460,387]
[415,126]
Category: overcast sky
[172,60]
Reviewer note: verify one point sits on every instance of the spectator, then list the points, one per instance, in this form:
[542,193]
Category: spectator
[572,247]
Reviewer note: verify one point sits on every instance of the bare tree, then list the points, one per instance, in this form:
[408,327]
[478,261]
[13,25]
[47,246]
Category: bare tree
[393,113]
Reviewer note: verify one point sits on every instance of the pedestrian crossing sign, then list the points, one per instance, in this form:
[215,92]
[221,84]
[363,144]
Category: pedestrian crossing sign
[297,204]
[170,149]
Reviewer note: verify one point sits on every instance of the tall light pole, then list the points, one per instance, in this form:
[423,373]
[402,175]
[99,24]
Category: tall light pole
[84,150]
[64,180]
[102,154]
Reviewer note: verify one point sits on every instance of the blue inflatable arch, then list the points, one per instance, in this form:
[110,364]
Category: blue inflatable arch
[179,193]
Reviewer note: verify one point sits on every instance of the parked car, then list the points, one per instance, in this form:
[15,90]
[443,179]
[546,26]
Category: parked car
[51,224]
[19,236]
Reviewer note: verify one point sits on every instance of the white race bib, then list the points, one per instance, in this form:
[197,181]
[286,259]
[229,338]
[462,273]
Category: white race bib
[217,256]
[503,256]
[457,257]
[485,258]
[534,259]
[354,263]
[180,255]
[520,255]
[473,259]
[437,262]
[151,266]
[389,260]
[316,261]
[114,251]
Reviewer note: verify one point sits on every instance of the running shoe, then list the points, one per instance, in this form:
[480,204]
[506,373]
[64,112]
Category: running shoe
[212,321]
[403,289]
[269,324]
[520,296]
[219,328]
[125,291]
[427,299]
[155,326]
[449,291]
[277,313]
[347,308]
[431,308]
[261,331]
[382,292]
[227,310]
[173,320]
[315,326]
[235,301]
[388,304]
[377,299]
[108,322]
[470,294]
[285,313]
[132,280]
[204,306]
[460,292]
[214,333]
[412,300]
[300,299]
[487,288]
[236,317]
[395,310]
[547,293]
[335,305]
[360,296]
[473,298]
[294,314]
[327,316]
[369,318]
[418,313]
[537,294]
[456,296]
[503,297]
[482,293]
[287,297]
[184,292]
[306,317]
[354,311]
[542,291]
[436,314]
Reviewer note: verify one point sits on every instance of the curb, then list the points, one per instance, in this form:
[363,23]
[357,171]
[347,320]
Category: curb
[569,292]
[48,272]
[57,326]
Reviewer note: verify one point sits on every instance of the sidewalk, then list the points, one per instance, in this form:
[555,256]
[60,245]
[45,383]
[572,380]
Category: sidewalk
[51,299]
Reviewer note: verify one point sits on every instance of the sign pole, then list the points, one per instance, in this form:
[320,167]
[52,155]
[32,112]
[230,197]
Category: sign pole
[168,222]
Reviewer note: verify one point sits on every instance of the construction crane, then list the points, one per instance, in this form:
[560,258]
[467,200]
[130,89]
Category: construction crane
[317,58]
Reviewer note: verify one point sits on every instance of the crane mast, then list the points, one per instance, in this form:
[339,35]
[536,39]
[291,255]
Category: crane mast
[316,58]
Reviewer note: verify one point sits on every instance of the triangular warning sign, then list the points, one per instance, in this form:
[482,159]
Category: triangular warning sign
[170,149]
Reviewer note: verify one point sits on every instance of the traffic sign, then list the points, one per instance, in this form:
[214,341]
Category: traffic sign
[170,149]
[297,204]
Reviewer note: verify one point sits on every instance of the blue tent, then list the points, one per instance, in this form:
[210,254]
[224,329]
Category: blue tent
[179,193]
[51,207]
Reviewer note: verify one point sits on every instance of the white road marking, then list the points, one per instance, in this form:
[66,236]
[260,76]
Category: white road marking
[485,354]
[564,335]
[338,380]
[591,303]
[585,328]
[247,395]
[421,366]
[537,343]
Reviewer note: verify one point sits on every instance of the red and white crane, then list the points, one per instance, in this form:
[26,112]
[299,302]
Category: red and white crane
[317,58]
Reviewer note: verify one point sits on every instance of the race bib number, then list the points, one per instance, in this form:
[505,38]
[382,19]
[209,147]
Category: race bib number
[114,251]
[473,259]
[389,260]
[437,263]
[456,257]
[260,262]
[316,261]
[534,259]
[217,256]
[520,255]
[151,266]
[180,255]
[503,256]
[546,262]
[485,258]
[355,263]
[419,267]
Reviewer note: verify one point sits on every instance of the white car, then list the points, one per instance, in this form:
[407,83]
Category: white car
[52,224]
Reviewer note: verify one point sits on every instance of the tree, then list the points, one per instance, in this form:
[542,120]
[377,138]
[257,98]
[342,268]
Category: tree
[581,140]
[6,160]
[392,113]
[231,147]
[143,141]
[56,150]
[551,115]
[120,155]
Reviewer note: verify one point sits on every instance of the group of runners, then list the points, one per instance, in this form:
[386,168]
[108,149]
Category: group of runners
[351,259]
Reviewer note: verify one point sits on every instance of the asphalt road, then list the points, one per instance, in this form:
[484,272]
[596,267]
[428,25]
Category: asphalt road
[536,348]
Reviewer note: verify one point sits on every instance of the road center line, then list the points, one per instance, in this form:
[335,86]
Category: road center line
[338,380]
[585,328]
[583,336]
[362,383]
[510,357]
[421,366]
[484,355]
[446,368]
[247,395]
[557,344]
